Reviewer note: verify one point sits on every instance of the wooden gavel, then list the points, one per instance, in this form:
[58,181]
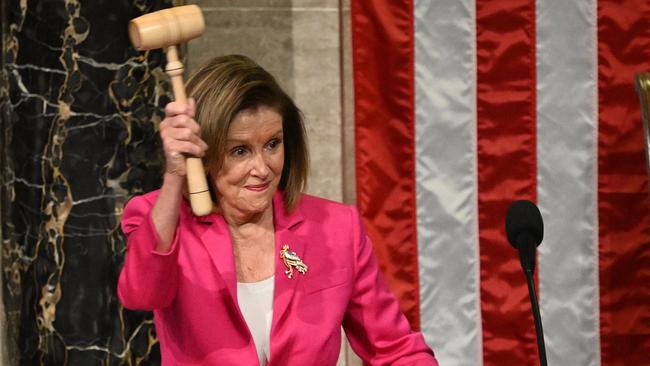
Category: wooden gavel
[165,29]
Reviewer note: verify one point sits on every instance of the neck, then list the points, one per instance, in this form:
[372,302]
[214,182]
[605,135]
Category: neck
[239,220]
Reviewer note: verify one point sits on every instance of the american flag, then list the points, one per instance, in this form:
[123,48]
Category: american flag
[461,107]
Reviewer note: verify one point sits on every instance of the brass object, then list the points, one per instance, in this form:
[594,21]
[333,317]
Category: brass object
[165,29]
[292,261]
[643,89]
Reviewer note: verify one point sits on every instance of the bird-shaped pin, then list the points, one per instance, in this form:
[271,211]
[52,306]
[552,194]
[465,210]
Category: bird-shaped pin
[291,261]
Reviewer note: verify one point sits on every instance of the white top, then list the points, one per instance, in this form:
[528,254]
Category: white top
[256,305]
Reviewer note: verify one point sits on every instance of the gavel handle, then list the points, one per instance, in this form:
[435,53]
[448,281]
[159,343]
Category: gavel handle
[197,184]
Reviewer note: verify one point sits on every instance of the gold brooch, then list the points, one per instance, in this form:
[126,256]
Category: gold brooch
[291,261]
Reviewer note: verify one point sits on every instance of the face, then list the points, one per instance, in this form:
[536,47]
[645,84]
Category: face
[253,162]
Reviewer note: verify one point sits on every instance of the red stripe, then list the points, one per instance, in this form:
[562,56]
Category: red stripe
[623,199]
[382,39]
[505,32]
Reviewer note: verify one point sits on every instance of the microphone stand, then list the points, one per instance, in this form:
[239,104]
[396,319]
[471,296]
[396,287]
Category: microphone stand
[525,231]
[537,317]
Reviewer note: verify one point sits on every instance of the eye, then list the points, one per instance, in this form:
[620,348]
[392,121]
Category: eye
[238,151]
[274,143]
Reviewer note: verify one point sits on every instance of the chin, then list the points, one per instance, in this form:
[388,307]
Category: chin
[254,209]
[249,202]
[259,204]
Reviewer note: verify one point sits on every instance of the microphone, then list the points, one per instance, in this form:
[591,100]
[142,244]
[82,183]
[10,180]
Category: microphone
[525,231]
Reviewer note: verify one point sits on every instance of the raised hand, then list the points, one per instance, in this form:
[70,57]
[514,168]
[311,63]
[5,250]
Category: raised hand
[181,136]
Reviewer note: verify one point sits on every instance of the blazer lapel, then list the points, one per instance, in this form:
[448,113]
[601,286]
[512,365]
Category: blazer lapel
[217,242]
[285,287]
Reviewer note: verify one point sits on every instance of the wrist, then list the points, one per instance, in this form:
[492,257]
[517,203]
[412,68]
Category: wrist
[173,180]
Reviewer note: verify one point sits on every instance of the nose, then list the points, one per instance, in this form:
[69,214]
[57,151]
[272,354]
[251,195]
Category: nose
[259,168]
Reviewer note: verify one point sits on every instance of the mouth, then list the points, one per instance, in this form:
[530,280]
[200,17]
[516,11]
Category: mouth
[257,187]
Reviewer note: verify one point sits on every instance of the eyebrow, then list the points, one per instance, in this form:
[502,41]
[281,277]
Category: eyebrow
[278,132]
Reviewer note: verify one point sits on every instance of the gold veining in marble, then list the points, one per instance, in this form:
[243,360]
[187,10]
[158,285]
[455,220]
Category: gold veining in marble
[41,258]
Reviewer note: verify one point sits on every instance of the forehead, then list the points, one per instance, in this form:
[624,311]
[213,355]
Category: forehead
[262,119]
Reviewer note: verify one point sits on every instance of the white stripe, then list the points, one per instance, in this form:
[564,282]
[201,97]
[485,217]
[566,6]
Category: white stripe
[445,171]
[566,142]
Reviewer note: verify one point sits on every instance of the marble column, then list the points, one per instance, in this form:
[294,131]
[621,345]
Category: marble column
[79,113]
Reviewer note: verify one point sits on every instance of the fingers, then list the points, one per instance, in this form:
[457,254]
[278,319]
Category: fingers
[175,108]
[180,115]
[179,148]
[180,133]
[176,139]
[182,121]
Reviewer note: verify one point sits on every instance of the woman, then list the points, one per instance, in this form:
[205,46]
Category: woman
[271,275]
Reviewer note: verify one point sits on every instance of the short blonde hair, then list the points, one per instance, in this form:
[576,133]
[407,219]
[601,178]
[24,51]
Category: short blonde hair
[226,85]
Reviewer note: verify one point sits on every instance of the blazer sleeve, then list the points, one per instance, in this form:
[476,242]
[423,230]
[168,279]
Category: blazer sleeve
[376,328]
[148,279]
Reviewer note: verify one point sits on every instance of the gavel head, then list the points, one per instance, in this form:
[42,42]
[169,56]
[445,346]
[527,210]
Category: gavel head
[166,27]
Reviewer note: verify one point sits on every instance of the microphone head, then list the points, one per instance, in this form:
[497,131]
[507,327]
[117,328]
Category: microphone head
[524,217]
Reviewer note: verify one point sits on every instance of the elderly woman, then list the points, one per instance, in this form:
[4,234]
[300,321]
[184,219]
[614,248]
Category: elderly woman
[271,275]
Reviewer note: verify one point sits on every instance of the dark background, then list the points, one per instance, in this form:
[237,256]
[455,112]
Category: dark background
[80,109]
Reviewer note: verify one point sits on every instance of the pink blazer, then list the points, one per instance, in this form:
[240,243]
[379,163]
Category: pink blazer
[193,293]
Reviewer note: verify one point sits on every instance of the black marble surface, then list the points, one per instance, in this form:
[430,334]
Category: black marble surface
[79,115]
